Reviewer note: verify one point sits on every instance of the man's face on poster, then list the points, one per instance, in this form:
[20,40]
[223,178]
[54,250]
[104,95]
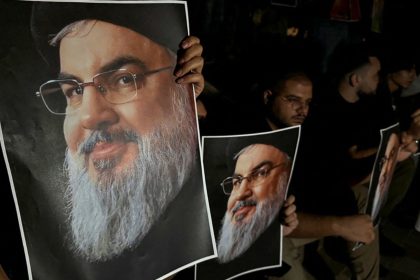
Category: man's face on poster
[85,56]
[388,162]
[257,191]
[126,160]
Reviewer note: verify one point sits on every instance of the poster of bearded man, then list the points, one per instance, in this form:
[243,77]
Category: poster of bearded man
[101,140]
[247,178]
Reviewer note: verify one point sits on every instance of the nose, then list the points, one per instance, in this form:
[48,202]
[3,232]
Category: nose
[303,108]
[245,189]
[96,113]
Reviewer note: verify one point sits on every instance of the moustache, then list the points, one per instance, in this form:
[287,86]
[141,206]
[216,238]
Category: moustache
[243,203]
[87,146]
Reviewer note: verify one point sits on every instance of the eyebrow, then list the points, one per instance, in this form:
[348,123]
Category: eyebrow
[258,166]
[116,63]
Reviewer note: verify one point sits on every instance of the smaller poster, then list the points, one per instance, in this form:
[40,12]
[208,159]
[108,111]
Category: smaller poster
[383,170]
[247,178]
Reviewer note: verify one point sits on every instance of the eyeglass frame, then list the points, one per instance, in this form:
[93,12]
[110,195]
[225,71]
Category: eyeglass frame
[293,102]
[249,177]
[91,83]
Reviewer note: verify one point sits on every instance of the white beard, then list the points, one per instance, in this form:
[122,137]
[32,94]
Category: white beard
[115,211]
[235,239]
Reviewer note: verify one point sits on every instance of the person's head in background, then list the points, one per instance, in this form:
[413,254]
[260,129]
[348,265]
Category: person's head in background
[399,68]
[286,97]
[355,71]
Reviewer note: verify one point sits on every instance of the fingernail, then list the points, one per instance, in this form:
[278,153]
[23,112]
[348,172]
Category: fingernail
[185,45]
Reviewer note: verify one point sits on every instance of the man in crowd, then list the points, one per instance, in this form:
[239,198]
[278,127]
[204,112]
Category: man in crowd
[331,210]
[399,73]
[130,132]
[287,98]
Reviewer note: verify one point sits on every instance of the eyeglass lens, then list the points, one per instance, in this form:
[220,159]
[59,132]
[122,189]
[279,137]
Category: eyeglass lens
[117,86]
[258,177]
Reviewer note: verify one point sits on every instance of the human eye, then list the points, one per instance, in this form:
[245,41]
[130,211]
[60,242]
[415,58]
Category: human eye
[71,90]
[260,173]
[117,80]
[236,181]
[292,98]
[124,79]
[73,93]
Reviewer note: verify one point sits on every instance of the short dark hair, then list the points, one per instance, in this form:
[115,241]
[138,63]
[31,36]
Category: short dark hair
[397,58]
[347,58]
[279,83]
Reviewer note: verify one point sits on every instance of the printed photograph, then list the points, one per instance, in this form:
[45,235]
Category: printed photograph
[383,170]
[247,179]
[105,166]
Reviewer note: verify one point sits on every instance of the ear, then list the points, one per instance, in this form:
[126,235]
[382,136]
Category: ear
[354,79]
[268,94]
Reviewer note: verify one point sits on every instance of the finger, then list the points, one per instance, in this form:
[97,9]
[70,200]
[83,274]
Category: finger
[290,219]
[191,52]
[290,200]
[193,65]
[189,41]
[195,79]
[289,210]
[416,114]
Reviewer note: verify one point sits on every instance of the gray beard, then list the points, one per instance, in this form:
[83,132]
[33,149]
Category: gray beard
[115,212]
[235,239]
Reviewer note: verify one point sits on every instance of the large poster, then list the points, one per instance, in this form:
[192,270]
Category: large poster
[383,170]
[247,178]
[101,142]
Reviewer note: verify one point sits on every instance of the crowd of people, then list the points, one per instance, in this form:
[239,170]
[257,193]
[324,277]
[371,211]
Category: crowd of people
[341,113]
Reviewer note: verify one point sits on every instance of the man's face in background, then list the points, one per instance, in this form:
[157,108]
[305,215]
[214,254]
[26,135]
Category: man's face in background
[261,174]
[370,76]
[126,161]
[404,78]
[290,104]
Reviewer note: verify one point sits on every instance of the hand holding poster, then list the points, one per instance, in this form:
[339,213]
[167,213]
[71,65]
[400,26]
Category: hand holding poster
[129,201]
[247,178]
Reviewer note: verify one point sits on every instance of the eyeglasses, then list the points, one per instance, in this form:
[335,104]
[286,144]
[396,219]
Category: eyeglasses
[257,176]
[296,102]
[116,86]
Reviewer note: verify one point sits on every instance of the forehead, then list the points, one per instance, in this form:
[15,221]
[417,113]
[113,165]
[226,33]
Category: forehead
[98,43]
[256,155]
[299,87]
